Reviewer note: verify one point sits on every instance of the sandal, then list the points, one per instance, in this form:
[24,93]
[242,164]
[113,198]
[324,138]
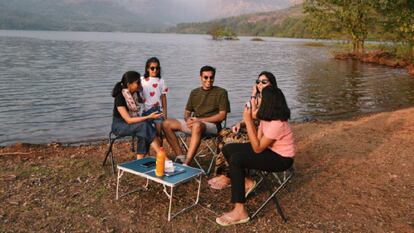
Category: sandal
[225,220]
[251,189]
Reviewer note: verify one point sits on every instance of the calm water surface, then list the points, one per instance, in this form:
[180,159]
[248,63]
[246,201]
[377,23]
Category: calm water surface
[55,86]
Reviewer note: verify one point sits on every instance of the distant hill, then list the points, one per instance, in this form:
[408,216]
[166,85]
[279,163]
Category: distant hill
[282,23]
[122,15]
[68,15]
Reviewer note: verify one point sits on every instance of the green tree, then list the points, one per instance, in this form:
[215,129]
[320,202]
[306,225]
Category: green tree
[352,18]
[219,32]
[398,18]
[215,31]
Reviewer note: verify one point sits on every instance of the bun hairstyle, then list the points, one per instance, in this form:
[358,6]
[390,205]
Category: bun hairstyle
[127,78]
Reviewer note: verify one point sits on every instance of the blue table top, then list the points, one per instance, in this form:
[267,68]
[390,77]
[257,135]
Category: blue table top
[136,167]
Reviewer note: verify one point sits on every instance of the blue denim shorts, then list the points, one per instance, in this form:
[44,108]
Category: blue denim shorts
[151,110]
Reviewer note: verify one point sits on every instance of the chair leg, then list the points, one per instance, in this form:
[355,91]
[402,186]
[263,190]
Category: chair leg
[209,149]
[110,154]
[183,140]
[133,144]
[279,209]
[113,163]
[213,159]
[109,151]
[265,178]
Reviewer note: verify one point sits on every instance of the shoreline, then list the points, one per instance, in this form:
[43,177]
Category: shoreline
[105,139]
[378,57]
[351,176]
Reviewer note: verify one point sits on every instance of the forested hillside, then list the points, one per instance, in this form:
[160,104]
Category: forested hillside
[123,15]
[282,23]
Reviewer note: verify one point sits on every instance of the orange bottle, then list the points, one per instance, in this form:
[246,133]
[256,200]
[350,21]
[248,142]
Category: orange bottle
[160,165]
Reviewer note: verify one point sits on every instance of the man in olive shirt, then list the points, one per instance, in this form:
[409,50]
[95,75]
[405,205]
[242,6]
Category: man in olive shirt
[206,108]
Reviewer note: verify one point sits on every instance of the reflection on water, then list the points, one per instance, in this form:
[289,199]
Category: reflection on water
[349,88]
[55,86]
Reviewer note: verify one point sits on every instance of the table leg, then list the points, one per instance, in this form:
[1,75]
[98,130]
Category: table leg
[170,196]
[199,188]
[169,208]
[120,173]
[146,185]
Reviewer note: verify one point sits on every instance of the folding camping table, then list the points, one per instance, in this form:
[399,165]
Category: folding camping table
[135,167]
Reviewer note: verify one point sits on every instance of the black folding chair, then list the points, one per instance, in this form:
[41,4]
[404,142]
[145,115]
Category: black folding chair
[208,146]
[276,181]
[112,138]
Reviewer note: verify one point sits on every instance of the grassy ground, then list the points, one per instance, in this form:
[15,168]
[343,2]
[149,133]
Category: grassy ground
[351,176]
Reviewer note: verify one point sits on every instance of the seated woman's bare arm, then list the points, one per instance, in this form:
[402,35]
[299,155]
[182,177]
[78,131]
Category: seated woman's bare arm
[258,141]
[260,134]
[131,120]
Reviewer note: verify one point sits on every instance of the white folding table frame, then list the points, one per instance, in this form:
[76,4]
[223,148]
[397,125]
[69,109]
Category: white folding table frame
[135,167]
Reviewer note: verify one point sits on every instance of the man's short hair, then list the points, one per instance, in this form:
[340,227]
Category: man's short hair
[208,68]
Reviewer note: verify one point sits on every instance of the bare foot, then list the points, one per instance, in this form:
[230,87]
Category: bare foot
[218,178]
[220,182]
[140,156]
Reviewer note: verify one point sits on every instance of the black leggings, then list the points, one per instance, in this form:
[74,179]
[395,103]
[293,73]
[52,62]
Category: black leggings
[241,156]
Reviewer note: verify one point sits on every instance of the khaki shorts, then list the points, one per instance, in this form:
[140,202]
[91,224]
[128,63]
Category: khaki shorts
[211,128]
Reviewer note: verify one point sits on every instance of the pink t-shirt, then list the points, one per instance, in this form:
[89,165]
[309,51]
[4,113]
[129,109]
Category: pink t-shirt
[282,133]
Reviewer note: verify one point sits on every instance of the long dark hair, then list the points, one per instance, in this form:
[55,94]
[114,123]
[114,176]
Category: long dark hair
[148,63]
[273,105]
[270,76]
[127,78]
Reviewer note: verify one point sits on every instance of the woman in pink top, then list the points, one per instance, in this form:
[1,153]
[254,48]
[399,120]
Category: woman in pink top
[238,133]
[271,148]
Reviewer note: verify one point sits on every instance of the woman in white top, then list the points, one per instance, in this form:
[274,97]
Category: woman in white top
[154,92]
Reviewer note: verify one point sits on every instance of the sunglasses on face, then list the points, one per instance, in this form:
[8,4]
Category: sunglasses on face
[208,77]
[264,82]
[152,68]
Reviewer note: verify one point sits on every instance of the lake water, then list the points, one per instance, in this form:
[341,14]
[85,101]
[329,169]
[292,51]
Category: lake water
[55,86]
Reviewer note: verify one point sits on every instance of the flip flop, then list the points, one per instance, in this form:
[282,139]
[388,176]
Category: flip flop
[229,221]
[251,189]
[219,186]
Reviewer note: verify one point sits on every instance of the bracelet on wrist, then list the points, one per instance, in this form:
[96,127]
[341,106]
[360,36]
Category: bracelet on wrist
[253,97]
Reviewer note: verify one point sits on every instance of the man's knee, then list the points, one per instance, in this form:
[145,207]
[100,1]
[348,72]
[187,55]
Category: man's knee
[170,124]
[197,128]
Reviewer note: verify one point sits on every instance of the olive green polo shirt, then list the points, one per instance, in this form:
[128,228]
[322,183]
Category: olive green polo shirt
[205,103]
